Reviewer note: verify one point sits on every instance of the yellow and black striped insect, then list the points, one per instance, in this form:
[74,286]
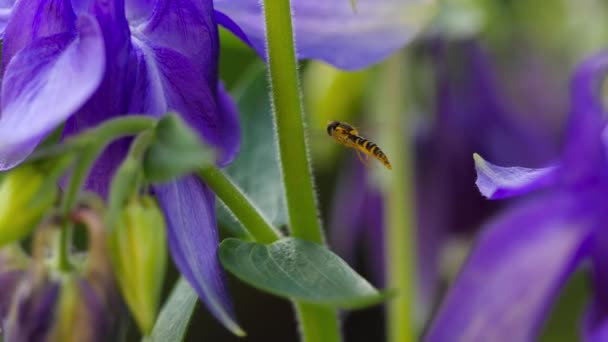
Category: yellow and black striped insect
[348,136]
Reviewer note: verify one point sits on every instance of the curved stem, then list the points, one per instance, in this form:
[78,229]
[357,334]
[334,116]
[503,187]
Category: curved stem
[92,142]
[256,225]
[317,323]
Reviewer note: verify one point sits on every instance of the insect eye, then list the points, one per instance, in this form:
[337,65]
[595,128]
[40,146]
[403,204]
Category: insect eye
[331,127]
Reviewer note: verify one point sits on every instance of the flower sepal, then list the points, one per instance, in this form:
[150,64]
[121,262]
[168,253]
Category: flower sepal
[176,151]
[139,254]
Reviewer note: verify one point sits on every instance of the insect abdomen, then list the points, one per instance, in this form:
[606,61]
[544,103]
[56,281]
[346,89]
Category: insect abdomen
[372,149]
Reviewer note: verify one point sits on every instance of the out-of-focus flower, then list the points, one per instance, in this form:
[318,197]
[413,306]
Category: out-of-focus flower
[41,304]
[13,262]
[88,61]
[333,31]
[471,115]
[524,257]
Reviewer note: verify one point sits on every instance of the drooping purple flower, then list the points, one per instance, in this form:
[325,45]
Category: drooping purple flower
[86,61]
[333,31]
[524,257]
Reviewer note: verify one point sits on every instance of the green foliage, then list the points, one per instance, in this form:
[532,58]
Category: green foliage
[175,315]
[176,151]
[300,270]
[256,168]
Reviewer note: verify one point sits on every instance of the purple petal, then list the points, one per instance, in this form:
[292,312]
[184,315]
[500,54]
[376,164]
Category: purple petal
[473,114]
[105,166]
[499,182]
[595,324]
[167,80]
[230,130]
[31,20]
[139,9]
[6,8]
[95,321]
[331,31]
[178,48]
[189,208]
[36,84]
[187,27]
[584,148]
[8,284]
[505,289]
[31,319]
[230,25]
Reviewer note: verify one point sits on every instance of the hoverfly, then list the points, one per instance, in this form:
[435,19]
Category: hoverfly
[348,136]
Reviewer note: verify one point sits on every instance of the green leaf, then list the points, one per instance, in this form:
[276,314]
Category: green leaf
[300,270]
[174,318]
[176,151]
[256,168]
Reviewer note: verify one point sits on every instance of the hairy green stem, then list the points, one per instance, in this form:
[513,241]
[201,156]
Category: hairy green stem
[244,210]
[399,192]
[288,116]
[318,324]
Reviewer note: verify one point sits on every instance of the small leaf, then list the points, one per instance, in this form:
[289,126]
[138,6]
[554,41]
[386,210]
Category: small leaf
[175,316]
[299,269]
[176,151]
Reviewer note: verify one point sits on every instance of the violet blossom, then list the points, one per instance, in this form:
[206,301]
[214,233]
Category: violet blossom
[334,31]
[523,258]
[86,61]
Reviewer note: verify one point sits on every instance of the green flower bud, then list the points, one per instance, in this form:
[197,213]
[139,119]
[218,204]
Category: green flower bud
[25,195]
[138,248]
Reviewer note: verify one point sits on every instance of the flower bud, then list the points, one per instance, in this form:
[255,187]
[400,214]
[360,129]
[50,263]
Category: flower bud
[138,247]
[25,195]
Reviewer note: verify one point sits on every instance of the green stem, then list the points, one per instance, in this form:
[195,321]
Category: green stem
[296,172]
[399,192]
[317,323]
[92,142]
[127,178]
[244,210]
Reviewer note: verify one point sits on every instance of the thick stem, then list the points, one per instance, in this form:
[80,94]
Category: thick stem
[244,210]
[288,116]
[317,323]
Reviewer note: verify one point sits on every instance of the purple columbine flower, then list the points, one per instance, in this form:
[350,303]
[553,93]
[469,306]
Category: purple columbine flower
[86,61]
[333,31]
[523,258]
